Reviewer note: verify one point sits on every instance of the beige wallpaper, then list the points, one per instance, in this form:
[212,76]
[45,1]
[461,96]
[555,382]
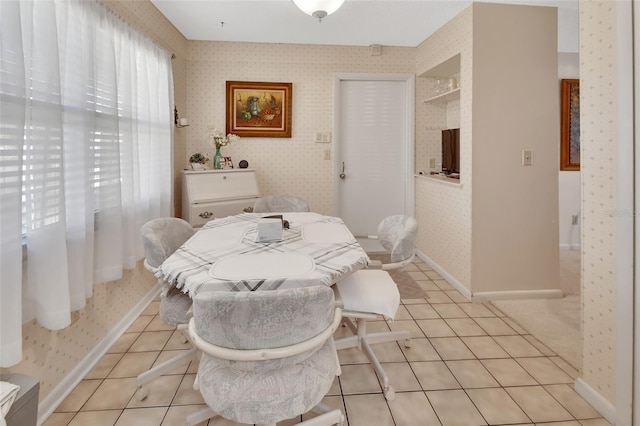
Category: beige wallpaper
[51,355]
[598,170]
[445,227]
[294,166]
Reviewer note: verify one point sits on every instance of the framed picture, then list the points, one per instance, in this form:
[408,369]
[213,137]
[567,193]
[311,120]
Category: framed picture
[256,109]
[570,124]
[226,163]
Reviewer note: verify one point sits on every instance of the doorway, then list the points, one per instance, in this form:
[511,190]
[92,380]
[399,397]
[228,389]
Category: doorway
[374,148]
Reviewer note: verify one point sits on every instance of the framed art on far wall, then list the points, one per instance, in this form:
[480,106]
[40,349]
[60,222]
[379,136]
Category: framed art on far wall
[258,109]
[570,124]
[226,163]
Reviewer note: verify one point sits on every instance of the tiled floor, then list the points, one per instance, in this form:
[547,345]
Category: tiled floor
[468,365]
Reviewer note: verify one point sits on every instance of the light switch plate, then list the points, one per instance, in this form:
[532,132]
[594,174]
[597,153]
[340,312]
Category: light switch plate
[323,137]
[527,157]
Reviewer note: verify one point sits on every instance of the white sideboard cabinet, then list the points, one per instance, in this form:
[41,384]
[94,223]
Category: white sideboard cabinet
[210,194]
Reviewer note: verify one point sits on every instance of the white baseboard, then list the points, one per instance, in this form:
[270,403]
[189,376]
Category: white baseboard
[444,274]
[481,297]
[602,406]
[570,246]
[48,405]
[486,296]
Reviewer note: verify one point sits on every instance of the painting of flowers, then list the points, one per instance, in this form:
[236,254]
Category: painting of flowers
[259,109]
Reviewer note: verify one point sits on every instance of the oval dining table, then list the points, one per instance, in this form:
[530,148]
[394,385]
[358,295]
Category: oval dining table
[226,255]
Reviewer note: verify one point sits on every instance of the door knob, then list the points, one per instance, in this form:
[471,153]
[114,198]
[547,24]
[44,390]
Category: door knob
[342,175]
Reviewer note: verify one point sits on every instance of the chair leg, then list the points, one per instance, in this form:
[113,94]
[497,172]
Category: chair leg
[346,343]
[350,341]
[363,341]
[196,383]
[389,336]
[389,392]
[161,369]
[321,408]
[200,416]
[333,417]
[184,331]
[349,323]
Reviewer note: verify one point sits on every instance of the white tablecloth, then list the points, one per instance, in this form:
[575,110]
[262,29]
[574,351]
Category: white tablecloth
[223,255]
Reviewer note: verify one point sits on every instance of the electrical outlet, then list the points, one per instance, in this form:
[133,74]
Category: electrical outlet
[327,154]
[432,163]
[574,219]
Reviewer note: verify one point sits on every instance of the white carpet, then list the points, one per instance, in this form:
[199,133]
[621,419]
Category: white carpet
[555,322]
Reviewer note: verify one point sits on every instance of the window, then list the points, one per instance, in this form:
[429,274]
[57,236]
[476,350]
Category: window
[85,154]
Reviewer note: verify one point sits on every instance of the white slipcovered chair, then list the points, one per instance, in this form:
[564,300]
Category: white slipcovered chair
[161,237]
[370,292]
[267,356]
[280,204]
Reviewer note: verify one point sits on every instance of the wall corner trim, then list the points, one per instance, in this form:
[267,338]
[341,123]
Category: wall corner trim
[444,274]
[487,296]
[597,401]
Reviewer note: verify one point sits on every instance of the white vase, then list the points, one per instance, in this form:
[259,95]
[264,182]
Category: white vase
[197,166]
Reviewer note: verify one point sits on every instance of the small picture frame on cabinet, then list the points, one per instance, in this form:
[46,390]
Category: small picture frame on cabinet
[226,163]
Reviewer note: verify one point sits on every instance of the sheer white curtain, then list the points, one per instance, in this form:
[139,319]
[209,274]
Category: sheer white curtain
[85,157]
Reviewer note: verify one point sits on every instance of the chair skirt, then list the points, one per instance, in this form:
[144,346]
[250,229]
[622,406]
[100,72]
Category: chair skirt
[266,396]
[174,308]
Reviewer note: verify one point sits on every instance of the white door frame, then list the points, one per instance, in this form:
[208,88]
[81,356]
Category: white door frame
[627,404]
[409,142]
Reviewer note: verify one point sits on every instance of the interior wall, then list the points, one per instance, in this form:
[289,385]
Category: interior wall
[598,136]
[515,207]
[443,209]
[51,355]
[298,165]
[568,181]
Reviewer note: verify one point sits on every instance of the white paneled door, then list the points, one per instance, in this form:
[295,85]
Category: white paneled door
[373,128]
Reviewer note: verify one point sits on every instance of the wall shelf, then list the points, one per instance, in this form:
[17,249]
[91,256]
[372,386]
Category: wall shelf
[445,97]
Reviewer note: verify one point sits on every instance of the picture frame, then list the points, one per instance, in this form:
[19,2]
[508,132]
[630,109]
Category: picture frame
[259,109]
[570,124]
[226,163]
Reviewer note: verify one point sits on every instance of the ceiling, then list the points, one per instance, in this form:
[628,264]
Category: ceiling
[357,22]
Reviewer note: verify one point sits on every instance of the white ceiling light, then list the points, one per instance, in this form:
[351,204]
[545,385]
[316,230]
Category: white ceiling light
[318,8]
